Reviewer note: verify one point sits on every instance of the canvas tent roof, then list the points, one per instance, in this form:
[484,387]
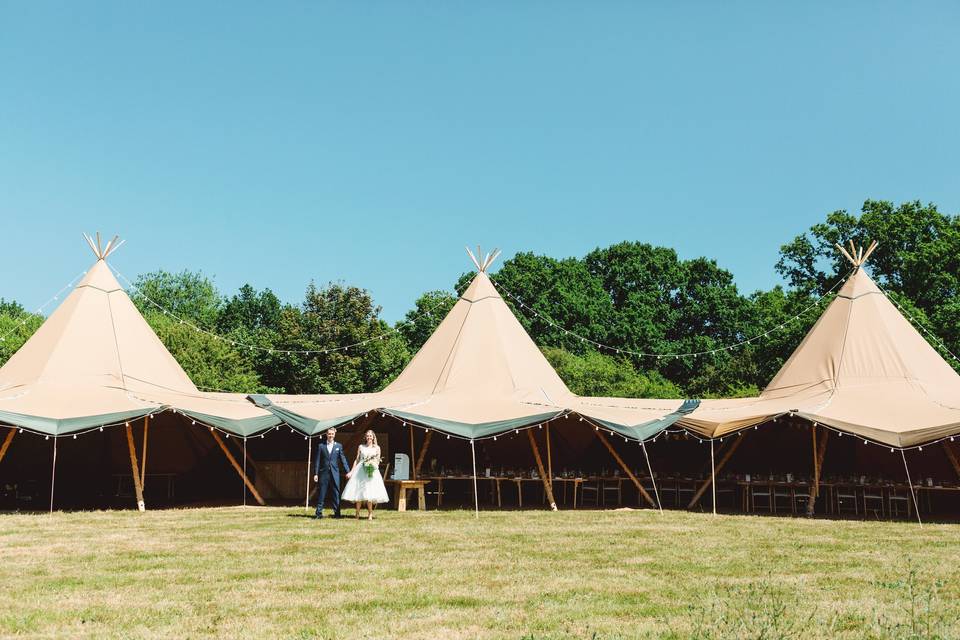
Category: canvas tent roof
[479,374]
[862,369]
[95,361]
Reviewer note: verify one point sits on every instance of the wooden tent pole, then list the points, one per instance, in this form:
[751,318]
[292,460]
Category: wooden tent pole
[476,497]
[413,471]
[709,482]
[306,499]
[423,454]
[623,465]
[237,467]
[946,447]
[713,479]
[916,505]
[256,469]
[244,471]
[549,459]
[53,472]
[143,456]
[6,442]
[543,474]
[137,487]
[813,450]
[817,471]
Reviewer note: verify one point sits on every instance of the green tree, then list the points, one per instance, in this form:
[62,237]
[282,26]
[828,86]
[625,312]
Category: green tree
[362,352]
[555,300]
[16,327]
[211,362]
[188,295]
[917,261]
[594,374]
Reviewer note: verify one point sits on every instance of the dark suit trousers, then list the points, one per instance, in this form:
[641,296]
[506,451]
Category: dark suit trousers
[331,484]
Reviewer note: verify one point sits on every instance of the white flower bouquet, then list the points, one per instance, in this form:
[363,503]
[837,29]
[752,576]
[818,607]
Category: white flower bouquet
[370,464]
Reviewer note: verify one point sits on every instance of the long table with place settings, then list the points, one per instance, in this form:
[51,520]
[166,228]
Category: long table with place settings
[840,496]
[572,486]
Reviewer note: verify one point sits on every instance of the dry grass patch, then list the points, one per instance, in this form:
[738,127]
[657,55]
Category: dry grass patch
[269,572]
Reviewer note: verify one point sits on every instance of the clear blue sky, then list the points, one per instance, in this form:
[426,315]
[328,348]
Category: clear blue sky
[274,143]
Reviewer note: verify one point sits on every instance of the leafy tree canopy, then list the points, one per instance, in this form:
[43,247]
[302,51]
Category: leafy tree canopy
[634,297]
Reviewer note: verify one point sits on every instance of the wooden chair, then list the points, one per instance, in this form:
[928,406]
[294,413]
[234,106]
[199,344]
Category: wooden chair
[726,490]
[764,492]
[783,493]
[668,491]
[801,498]
[898,501]
[685,491]
[590,488]
[873,496]
[613,487]
[846,497]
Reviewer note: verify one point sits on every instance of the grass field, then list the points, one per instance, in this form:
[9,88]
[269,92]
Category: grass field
[270,572]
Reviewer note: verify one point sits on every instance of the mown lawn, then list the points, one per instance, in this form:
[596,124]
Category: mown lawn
[270,572]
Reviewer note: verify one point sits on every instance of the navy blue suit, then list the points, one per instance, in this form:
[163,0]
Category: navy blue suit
[327,469]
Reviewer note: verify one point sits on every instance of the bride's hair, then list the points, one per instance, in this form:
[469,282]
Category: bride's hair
[370,431]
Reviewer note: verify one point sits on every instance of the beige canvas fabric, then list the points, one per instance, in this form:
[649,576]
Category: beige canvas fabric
[478,367]
[862,368]
[95,359]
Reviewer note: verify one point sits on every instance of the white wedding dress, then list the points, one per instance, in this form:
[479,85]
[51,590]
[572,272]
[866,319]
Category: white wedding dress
[366,488]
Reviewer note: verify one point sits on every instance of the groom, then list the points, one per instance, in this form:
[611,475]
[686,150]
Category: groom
[326,471]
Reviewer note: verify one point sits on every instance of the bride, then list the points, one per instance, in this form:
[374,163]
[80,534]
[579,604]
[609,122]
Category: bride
[364,482]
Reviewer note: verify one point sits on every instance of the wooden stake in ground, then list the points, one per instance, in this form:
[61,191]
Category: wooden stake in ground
[623,465]
[237,467]
[543,475]
[423,454]
[818,456]
[137,487]
[6,442]
[723,461]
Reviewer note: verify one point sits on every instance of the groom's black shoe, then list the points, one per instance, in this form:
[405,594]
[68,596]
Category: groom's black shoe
[337,516]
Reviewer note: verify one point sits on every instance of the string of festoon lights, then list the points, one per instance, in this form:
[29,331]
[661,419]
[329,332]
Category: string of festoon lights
[270,350]
[23,322]
[539,425]
[814,423]
[940,344]
[672,355]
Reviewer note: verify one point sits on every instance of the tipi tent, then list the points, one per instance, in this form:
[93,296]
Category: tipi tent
[479,375]
[862,369]
[96,362]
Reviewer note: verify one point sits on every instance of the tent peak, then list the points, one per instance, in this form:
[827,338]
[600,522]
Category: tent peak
[99,249]
[857,256]
[483,265]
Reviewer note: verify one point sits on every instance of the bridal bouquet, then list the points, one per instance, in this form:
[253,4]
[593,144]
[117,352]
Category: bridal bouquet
[370,464]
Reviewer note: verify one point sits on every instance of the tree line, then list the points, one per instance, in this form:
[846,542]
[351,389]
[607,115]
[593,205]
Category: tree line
[631,296]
